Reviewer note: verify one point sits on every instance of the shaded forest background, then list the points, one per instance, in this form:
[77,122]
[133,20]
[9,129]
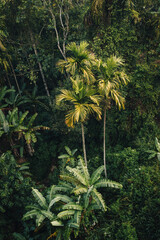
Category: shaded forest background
[33,38]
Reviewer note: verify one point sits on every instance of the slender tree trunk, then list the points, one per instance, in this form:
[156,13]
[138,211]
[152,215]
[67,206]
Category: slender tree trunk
[40,68]
[104,142]
[84,145]
[14,76]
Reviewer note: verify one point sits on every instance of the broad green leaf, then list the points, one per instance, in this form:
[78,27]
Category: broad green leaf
[77,174]
[30,214]
[108,183]
[66,214]
[40,219]
[99,199]
[57,223]
[39,198]
[72,206]
[96,175]
[62,198]
[48,214]
[68,150]
[23,117]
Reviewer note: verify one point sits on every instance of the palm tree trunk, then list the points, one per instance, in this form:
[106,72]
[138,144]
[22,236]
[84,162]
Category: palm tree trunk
[104,142]
[84,146]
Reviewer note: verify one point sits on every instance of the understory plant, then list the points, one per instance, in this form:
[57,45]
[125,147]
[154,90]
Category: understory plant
[68,205]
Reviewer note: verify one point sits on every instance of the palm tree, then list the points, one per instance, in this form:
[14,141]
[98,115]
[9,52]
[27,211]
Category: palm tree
[84,101]
[80,61]
[111,79]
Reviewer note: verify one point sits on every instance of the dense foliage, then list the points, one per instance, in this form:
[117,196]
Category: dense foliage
[79,75]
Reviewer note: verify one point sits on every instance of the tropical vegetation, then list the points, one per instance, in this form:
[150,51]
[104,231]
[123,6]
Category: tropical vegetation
[79,119]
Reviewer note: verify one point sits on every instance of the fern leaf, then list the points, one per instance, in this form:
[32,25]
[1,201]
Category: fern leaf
[39,197]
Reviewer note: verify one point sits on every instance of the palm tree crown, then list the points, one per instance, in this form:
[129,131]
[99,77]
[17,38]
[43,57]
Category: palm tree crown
[84,101]
[80,61]
[110,80]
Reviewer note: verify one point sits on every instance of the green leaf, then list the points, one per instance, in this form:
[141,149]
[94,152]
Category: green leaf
[32,120]
[23,117]
[108,183]
[40,219]
[30,214]
[73,225]
[68,150]
[58,198]
[57,223]
[157,144]
[99,199]
[18,236]
[96,175]
[77,174]
[39,197]
[63,156]
[72,206]
[48,214]
[66,214]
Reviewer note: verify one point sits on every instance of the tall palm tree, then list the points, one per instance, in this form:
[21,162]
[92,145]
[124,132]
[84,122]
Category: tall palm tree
[80,61]
[111,79]
[84,101]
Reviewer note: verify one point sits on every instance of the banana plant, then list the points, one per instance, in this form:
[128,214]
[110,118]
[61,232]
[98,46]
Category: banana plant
[86,185]
[14,125]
